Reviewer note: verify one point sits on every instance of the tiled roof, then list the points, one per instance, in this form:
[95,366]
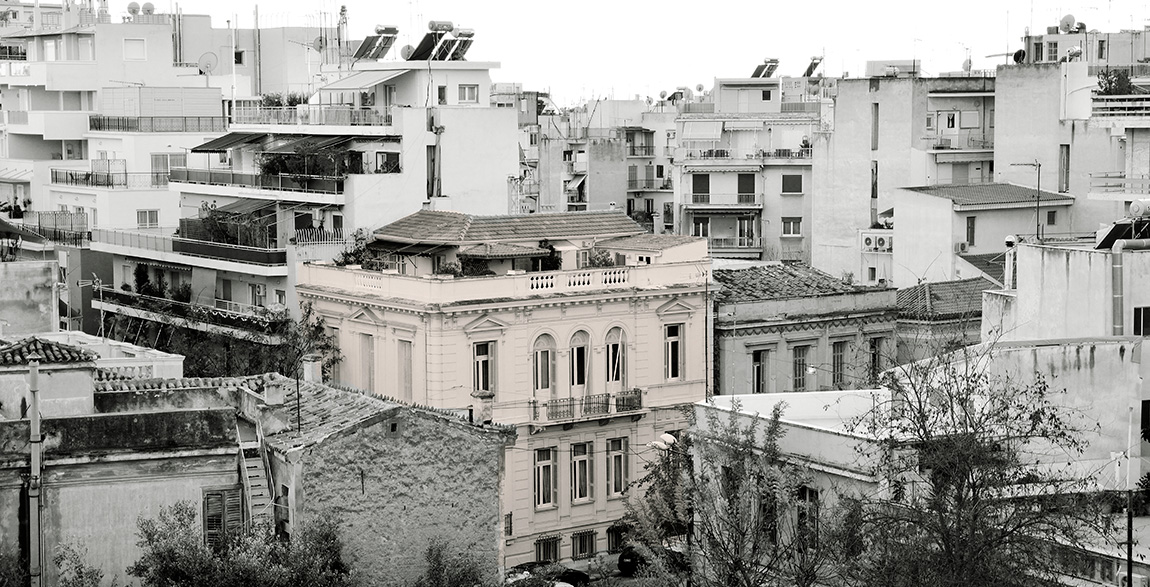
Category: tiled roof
[325,411]
[779,281]
[649,242]
[433,226]
[991,264]
[17,353]
[943,300]
[502,251]
[161,383]
[990,194]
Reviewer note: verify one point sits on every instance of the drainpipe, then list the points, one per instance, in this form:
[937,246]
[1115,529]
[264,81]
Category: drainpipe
[1117,311]
[36,444]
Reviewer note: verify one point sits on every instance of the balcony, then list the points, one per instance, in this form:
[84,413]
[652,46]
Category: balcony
[437,290]
[649,184]
[576,198]
[752,200]
[969,140]
[1118,186]
[745,154]
[110,179]
[640,150]
[312,114]
[603,405]
[289,183]
[734,242]
[239,318]
[197,248]
[158,123]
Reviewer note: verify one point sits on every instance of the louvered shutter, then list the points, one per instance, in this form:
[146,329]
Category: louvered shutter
[213,518]
[233,512]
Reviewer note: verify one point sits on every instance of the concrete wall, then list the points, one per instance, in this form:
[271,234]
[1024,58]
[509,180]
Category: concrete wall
[606,174]
[65,390]
[924,238]
[395,492]
[28,297]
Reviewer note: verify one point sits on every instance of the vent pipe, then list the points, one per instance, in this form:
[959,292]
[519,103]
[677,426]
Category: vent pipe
[35,565]
[1118,314]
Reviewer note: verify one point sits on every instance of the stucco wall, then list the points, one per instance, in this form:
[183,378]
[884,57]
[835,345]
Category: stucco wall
[927,222]
[27,300]
[395,492]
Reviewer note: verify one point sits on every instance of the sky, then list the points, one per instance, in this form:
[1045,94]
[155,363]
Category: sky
[590,49]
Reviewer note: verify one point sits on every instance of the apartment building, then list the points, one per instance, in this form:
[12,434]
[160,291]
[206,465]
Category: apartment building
[578,328]
[743,165]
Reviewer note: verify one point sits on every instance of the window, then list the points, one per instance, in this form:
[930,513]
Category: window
[746,186]
[792,184]
[1052,51]
[583,545]
[616,538]
[367,359]
[404,367]
[533,139]
[256,294]
[792,226]
[1142,321]
[970,230]
[387,162]
[838,364]
[441,95]
[579,367]
[1051,217]
[616,466]
[874,180]
[581,470]
[700,183]
[484,355]
[1063,168]
[1101,49]
[147,218]
[807,522]
[223,515]
[238,58]
[799,359]
[951,119]
[672,343]
[871,273]
[135,50]
[659,171]
[616,359]
[968,119]
[875,357]
[547,549]
[1037,51]
[701,226]
[760,371]
[545,477]
[930,122]
[281,297]
[874,127]
[766,95]
[544,365]
[508,525]
[468,94]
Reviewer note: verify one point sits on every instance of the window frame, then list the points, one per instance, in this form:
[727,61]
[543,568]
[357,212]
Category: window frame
[582,472]
[760,370]
[143,47]
[152,218]
[545,484]
[783,184]
[1141,321]
[579,362]
[615,352]
[547,545]
[673,352]
[543,364]
[971,226]
[583,545]
[799,355]
[792,226]
[838,363]
[483,369]
[618,467]
[468,93]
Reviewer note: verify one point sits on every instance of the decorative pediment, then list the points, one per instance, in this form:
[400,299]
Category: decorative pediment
[485,323]
[366,315]
[675,306]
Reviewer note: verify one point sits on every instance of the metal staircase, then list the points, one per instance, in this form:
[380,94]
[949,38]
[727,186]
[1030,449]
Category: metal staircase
[253,471]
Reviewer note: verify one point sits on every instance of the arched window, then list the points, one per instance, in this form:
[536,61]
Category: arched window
[616,360]
[580,346]
[544,364]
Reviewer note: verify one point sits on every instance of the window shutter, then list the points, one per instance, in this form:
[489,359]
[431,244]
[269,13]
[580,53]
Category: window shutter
[591,471]
[700,183]
[213,518]
[233,512]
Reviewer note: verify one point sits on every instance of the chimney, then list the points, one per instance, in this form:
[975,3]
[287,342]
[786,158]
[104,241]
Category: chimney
[313,368]
[275,393]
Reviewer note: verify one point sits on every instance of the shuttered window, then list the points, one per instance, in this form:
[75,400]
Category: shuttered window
[223,515]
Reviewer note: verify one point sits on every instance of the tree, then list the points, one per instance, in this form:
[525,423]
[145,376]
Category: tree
[175,555]
[1115,82]
[745,517]
[13,569]
[74,571]
[446,569]
[979,484]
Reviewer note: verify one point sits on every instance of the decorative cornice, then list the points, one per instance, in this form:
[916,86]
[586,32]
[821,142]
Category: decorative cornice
[759,328]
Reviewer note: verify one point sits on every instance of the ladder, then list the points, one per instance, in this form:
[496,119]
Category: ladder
[255,480]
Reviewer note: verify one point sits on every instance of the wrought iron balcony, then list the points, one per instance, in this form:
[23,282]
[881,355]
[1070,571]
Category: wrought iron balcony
[586,407]
[291,183]
[158,123]
[110,179]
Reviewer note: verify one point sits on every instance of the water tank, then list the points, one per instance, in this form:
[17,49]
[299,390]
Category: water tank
[1140,208]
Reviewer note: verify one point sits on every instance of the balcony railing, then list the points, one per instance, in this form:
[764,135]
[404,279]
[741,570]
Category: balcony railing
[588,406]
[197,248]
[1117,182]
[158,123]
[251,318]
[312,114]
[649,184]
[16,116]
[1124,106]
[10,53]
[576,198]
[801,153]
[640,150]
[725,199]
[806,107]
[959,141]
[112,179]
[291,183]
[734,242]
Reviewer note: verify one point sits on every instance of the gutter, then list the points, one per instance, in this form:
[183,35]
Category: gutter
[1116,284]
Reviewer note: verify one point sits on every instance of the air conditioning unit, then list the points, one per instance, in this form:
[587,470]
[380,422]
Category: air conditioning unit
[260,289]
[960,247]
[883,243]
[1139,580]
[868,243]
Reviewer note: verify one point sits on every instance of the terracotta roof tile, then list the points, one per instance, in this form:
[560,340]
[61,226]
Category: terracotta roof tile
[780,281]
[433,226]
[990,194]
[17,353]
[943,300]
[649,242]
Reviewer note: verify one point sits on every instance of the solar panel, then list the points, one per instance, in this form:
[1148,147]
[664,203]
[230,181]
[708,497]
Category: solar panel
[759,70]
[385,43]
[365,47]
[443,51]
[461,48]
[426,46]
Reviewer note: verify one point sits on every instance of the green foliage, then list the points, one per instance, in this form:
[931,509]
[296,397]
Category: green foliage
[475,267]
[450,268]
[553,261]
[301,338]
[356,252]
[142,279]
[174,555]
[181,293]
[975,497]
[13,571]
[445,569]
[600,258]
[74,570]
[306,160]
[1115,82]
[278,99]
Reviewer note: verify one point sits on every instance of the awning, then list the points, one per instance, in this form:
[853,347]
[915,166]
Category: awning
[702,130]
[502,251]
[719,168]
[294,143]
[11,175]
[963,157]
[575,183]
[9,230]
[743,125]
[228,141]
[245,206]
[362,81]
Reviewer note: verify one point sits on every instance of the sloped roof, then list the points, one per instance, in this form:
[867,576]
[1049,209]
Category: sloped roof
[970,195]
[502,251]
[649,242]
[456,228]
[991,264]
[51,353]
[943,300]
[780,281]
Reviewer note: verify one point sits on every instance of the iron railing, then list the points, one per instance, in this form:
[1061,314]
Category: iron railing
[734,242]
[308,114]
[252,318]
[113,180]
[588,406]
[800,153]
[321,184]
[652,183]
[640,150]
[725,199]
[158,123]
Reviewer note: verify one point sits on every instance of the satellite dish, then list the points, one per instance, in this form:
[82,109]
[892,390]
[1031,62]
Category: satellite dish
[699,88]
[663,95]
[148,8]
[406,51]
[208,61]
[1066,24]
[319,44]
[1020,56]
[966,65]
[133,8]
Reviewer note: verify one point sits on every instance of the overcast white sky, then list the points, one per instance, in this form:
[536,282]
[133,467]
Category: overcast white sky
[597,48]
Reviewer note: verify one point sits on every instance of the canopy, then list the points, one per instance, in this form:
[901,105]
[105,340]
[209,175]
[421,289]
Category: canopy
[362,81]
[702,130]
[228,141]
[315,142]
[743,125]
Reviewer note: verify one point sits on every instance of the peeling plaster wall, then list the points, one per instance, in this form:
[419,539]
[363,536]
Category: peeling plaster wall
[27,302]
